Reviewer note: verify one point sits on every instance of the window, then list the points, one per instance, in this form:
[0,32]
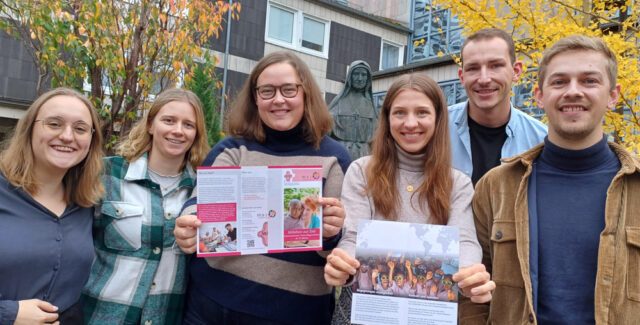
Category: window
[391,55]
[453,91]
[295,30]
[436,32]
[283,29]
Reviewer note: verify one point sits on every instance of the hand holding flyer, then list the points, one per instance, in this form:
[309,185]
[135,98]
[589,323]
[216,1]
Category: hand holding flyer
[259,209]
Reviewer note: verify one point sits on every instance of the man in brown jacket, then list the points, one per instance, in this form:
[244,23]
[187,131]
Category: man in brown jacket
[559,225]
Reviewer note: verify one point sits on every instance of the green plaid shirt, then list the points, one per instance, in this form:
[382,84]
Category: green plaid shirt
[138,276]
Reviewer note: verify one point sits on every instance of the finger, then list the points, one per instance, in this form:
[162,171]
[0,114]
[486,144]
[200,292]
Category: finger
[481,299]
[346,257]
[483,289]
[329,201]
[474,280]
[336,276]
[188,220]
[332,281]
[329,231]
[185,232]
[46,306]
[50,317]
[333,221]
[465,272]
[334,211]
[340,264]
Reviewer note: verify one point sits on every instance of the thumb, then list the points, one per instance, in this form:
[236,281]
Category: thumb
[45,306]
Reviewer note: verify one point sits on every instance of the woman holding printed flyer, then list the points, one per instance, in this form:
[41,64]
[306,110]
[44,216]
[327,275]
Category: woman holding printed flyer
[278,118]
[410,149]
[138,276]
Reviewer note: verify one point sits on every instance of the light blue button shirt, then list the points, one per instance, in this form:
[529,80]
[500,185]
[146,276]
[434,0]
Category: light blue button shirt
[523,132]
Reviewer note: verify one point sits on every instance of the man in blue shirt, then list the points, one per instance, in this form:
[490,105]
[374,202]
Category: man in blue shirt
[486,127]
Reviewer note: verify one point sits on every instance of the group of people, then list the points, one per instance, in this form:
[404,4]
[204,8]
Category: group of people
[214,241]
[405,278]
[551,235]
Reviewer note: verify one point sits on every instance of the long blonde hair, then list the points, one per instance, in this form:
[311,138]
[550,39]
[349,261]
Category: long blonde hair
[139,140]
[82,183]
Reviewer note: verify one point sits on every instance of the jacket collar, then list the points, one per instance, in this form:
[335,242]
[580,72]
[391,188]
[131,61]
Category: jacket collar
[629,164]
[463,123]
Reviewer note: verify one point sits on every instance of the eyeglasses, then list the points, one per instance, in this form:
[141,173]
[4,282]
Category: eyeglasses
[56,125]
[269,91]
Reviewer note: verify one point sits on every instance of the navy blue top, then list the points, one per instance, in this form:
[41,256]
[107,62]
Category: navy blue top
[42,256]
[248,295]
[568,190]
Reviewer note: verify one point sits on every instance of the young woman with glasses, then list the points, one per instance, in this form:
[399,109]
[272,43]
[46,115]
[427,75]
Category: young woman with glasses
[138,277]
[409,178]
[278,118]
[49,183]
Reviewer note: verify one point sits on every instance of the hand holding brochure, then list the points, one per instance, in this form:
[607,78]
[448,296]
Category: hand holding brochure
[405,274]
[259,209]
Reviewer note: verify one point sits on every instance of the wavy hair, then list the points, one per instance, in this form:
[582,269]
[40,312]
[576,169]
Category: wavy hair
[244,120]
[381,173]
[82,184]
[139,140]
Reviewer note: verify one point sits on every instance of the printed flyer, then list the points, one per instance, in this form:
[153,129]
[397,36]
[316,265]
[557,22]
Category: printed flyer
[259,209]
[405,274]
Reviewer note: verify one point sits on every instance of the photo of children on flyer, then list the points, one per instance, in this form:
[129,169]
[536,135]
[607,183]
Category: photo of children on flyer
[418,277]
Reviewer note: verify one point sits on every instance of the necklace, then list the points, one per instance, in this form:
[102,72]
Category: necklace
[166,182]
[409,186]
[162,175]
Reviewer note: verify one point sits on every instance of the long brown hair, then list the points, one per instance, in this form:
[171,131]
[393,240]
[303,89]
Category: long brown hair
[82,183]
[381,172]
[139,140]
[244,120]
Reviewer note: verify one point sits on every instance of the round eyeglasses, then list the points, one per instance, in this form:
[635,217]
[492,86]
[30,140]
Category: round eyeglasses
[56,125]
[269,91]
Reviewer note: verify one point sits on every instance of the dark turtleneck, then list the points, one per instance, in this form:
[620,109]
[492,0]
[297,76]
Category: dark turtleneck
[570,193]
[283,141]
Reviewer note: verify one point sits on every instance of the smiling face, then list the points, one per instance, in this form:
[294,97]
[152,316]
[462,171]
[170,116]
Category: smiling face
[280,113]
[173,130]
[576,93]
[487,74]
[412,119]
[55,151]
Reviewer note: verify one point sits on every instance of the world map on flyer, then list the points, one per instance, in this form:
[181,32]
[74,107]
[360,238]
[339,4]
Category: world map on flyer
[419,238]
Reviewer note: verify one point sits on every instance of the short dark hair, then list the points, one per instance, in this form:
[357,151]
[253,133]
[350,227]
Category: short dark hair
[490,33]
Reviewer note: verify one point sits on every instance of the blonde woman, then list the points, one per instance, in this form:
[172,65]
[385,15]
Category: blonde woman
[49,183]
[137,276]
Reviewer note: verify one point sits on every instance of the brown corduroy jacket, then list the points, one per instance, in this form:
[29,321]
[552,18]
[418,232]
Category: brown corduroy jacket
[500,208]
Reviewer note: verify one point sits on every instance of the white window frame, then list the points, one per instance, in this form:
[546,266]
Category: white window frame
[400,52]
[296,35]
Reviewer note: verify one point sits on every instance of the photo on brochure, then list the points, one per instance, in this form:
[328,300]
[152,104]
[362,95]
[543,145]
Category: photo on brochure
[302,221]
[216,237]
[409,268]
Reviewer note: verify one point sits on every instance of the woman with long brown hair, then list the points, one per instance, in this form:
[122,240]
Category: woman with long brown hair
[409,178]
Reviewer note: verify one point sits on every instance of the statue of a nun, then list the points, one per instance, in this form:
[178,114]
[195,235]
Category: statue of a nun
[354,115]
